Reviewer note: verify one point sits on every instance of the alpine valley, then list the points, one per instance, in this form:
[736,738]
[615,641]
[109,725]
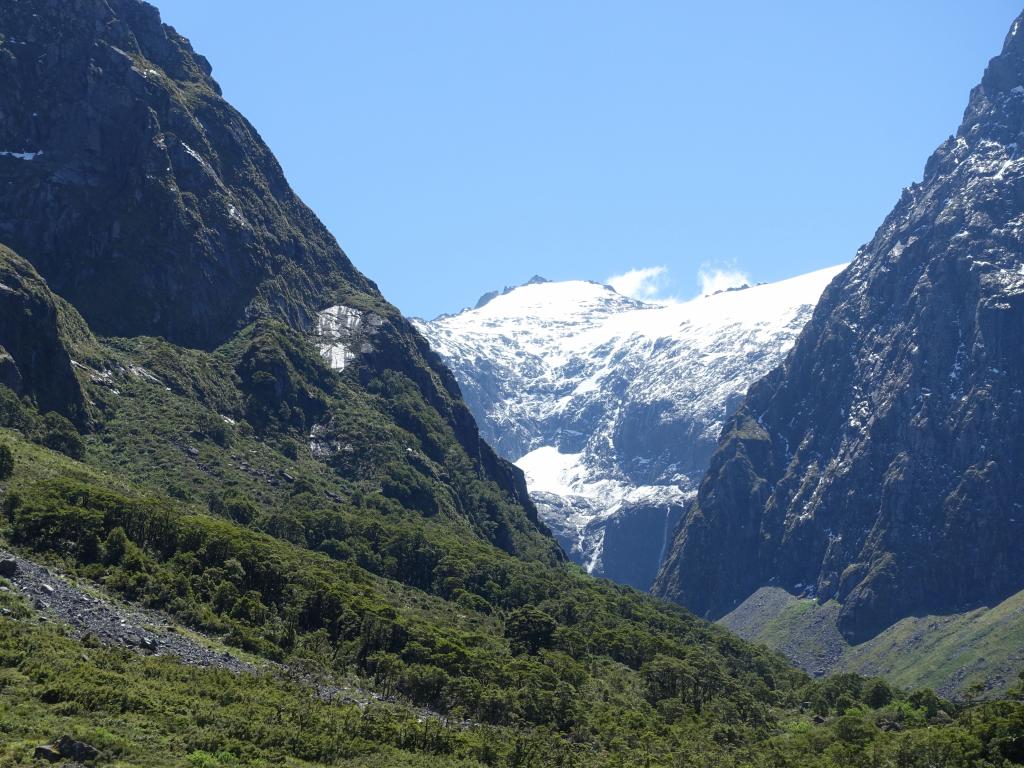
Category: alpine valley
[247,518]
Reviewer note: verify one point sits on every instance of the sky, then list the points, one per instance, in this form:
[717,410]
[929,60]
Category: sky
[668,148]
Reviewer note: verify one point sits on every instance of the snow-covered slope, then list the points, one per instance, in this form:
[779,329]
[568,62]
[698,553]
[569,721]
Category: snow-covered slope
[612,406]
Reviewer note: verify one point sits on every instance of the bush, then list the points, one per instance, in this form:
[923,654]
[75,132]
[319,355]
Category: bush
[59,434]
[6,461]
[213,428]
[877,694]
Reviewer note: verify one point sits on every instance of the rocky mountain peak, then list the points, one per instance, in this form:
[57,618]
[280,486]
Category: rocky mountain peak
[1006,71]
[879,465]
[492,295]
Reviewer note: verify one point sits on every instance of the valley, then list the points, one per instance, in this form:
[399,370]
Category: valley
[251,515]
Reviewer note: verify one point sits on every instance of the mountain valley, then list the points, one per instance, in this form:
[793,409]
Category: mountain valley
[247,517]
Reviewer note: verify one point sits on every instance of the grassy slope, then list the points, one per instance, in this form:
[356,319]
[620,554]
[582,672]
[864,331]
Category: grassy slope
[618,708]
[952,654]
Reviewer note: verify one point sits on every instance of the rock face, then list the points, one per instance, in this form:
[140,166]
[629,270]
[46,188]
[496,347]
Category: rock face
[37,331]
[882,464]
[613,406]
[138,193]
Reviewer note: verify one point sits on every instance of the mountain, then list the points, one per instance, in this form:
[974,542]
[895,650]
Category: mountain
[149,205]
[613,406]
[881,465]
[246,518]
[139,194]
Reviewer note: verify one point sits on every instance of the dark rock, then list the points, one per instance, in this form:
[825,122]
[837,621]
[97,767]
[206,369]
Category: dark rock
[49,753]
[35,338]
[10,376]
[132,171]
[76,750]
[883,462]
[8,567]
[632,541]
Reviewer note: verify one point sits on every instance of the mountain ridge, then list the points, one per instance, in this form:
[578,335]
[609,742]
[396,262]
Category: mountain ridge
[879,464]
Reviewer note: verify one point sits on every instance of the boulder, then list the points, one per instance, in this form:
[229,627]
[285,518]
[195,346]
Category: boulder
[48,753]
[8,567]
[76,750]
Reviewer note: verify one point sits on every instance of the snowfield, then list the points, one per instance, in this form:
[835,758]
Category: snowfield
[608,403]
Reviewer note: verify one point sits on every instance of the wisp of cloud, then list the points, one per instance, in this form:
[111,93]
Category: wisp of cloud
[715,279]
[643,284]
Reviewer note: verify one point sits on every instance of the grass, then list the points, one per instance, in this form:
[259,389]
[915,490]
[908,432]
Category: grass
[979,651]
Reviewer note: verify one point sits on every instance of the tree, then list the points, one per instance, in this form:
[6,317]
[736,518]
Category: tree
[529,629]
[877,694]
[926,700]
[115,546]
[1017,691]
[59,434]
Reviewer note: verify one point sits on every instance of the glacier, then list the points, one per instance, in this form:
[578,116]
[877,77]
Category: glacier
[612,406]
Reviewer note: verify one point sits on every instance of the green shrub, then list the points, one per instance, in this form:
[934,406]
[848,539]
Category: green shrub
[59,434]
[6,461]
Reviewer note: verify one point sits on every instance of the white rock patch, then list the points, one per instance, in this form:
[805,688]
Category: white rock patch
[334,329]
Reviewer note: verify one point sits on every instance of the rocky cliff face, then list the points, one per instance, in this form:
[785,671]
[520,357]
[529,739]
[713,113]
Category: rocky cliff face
[37,334]
[613,406]
[882,464]
[138,193]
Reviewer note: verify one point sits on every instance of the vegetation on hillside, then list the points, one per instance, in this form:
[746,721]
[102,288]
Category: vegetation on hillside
[250,538]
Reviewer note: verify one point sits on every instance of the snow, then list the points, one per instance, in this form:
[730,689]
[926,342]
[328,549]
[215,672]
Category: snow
[549,470]
[555,345]
[574,502]
[557,373]
[193,154]
[22,155]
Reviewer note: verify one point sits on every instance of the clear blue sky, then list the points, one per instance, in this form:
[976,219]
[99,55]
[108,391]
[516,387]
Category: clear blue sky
[454,147]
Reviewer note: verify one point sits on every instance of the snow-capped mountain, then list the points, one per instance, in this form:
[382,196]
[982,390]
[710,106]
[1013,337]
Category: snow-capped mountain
[613,406]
